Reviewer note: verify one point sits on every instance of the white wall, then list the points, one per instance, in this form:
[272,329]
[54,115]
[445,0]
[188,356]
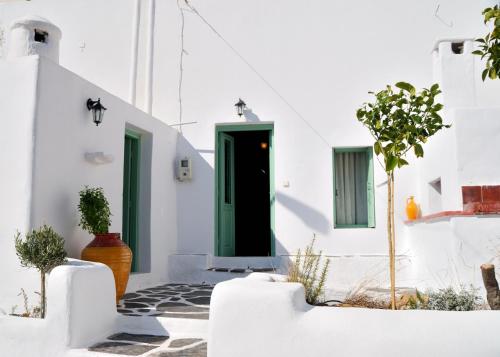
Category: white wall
[18,102]
[322,56]
[65,132]
[285,325]
[51,129]
[76,316]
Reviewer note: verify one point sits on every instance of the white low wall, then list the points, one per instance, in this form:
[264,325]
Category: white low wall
[256,317]
[80,311]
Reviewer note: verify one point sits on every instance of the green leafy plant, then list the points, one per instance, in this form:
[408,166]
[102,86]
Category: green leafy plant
[306,270]
[400,120]
[489,46]
[42,249]
[95,215]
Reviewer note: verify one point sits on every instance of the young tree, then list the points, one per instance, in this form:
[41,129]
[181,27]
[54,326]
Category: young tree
[42,249]
[489,46]
[399,121]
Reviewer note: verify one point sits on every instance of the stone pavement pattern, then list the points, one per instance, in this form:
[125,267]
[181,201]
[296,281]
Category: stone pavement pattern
[180,301]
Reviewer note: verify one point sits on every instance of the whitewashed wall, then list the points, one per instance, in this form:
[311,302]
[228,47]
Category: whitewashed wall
[18,102]
[76,316]
[322,56]
[61,133]
[294,328]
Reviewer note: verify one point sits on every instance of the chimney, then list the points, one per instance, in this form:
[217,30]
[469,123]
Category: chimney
[34,35]
[453,67]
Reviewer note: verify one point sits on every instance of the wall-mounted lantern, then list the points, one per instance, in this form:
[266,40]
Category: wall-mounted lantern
[240,107]
[97,110]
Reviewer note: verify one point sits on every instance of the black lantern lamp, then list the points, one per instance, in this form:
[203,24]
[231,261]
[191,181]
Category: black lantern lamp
[97,110]
[240,107]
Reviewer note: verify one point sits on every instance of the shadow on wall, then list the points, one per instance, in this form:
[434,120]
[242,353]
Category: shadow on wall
[311,217]
[195,203]
[250,116]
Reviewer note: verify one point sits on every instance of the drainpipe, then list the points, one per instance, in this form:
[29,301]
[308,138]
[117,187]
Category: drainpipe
[149,58]
[134,51]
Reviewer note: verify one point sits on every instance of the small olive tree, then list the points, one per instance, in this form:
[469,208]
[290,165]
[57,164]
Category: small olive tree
[399,121]
[95,215]
[489,46]
[42,249]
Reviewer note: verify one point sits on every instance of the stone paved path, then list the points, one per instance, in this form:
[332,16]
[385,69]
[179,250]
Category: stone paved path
[169,300]
[179,301]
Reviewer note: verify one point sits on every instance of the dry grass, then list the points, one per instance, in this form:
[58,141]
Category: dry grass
[366,301]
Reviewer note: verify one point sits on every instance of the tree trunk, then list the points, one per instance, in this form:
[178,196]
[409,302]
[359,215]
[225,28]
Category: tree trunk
[391,237]
[491,285]
[43,302]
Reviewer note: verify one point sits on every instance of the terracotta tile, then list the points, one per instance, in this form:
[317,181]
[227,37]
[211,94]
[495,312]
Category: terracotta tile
[473,207]
[490,207]
[491,193]
[471,194]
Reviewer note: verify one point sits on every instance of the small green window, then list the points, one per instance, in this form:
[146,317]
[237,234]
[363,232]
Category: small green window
[354,205]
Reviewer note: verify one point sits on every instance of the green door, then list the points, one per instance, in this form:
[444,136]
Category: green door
[226,196]
[131,195]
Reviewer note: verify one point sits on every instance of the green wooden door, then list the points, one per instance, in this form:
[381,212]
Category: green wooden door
[226,196]
[131,195]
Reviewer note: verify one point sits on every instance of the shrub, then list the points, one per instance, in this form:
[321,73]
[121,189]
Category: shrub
[94,211]
[450,300]
[447,299]
[42,249]
[306,270]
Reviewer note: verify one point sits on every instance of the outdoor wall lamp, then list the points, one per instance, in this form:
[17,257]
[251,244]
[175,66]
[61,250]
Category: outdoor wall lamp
[240,107]
[97,110]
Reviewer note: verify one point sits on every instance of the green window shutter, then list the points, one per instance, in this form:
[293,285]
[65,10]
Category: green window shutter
[370,190]
[353,187]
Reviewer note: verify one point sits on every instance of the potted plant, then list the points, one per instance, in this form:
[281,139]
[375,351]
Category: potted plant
[106,248]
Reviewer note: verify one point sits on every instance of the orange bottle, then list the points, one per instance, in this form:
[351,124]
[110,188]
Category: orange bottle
[411,209]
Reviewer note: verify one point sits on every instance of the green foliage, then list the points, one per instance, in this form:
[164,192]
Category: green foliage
[447,299]
[489,46]
[401,120]
[95,215]
[42,249]
[306,270]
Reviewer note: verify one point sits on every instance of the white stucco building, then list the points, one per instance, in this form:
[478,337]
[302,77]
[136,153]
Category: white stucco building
[261,183]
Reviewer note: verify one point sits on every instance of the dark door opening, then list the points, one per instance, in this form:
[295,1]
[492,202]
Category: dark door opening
[252,209]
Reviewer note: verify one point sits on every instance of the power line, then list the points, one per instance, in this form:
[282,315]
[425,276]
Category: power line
[253,69]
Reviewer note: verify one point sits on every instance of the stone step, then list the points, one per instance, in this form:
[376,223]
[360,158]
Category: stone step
[251,263]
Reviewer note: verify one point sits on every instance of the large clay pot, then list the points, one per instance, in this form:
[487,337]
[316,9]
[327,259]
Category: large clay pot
[411,209]
[109,249]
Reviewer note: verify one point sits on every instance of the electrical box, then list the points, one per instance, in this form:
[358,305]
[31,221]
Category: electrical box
[184,169]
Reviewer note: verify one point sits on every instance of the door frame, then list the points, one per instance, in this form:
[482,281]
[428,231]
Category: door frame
[134,243]
[238,127]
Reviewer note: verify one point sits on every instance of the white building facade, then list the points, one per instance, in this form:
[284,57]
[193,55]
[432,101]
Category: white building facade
[170,73]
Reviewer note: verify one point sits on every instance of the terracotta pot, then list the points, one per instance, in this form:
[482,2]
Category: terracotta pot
[411,209]
[109,249]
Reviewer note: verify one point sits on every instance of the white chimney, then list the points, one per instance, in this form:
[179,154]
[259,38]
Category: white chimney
[34,35]
[453,67]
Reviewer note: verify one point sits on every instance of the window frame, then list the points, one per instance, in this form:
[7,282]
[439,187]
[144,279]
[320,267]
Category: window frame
[370,187]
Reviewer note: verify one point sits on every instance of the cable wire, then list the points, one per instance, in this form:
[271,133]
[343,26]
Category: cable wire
[255,71]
